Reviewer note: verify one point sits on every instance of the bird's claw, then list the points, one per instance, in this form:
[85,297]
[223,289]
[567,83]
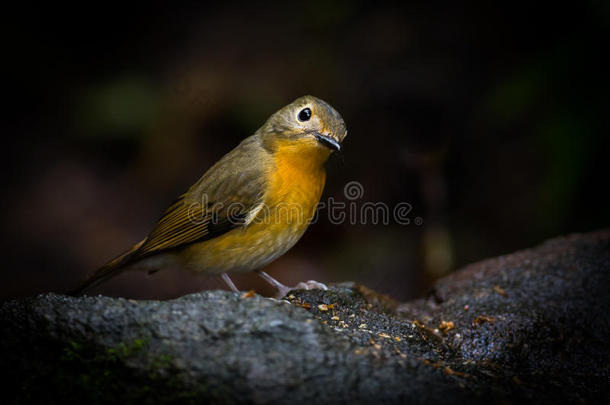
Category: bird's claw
[303,285]
[310,285]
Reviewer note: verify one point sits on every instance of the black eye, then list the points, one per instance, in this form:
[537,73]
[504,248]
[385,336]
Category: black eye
[305,114]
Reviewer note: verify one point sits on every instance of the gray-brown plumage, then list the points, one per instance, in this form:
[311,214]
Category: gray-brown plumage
[232,219]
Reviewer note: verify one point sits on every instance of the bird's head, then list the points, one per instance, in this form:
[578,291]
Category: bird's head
[307,124]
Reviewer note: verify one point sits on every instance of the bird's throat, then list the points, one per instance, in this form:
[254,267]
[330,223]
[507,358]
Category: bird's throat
[299,176]
[306,154]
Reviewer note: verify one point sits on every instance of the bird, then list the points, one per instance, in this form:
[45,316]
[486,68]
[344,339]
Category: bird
[249,208]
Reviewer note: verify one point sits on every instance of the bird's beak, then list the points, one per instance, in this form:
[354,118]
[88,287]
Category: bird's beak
[328,141]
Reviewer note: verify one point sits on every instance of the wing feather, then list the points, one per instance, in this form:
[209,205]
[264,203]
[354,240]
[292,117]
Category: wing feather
[219,202]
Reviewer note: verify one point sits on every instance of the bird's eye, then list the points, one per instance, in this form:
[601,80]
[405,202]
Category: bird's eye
[304,114]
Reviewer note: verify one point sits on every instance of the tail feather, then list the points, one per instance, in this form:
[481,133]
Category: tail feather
[109,270]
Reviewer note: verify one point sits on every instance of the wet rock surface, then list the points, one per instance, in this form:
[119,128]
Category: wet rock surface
[530,326]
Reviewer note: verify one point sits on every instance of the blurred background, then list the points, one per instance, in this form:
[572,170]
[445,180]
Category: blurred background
[490,120]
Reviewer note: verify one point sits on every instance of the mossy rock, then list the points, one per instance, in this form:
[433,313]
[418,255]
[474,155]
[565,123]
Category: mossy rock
[530,326]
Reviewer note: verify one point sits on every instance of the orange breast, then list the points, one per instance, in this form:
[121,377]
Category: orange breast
[294,187]
[298,178]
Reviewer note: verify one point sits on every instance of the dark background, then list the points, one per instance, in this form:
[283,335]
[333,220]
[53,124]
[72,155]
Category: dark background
[490,119]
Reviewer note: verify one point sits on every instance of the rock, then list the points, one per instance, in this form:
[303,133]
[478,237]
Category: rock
[530,326]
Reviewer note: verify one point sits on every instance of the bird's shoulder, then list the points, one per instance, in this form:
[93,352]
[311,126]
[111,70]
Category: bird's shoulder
[222,199]
[239,175]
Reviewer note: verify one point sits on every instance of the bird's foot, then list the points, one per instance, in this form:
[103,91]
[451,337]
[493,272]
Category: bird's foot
[303,285]
[282,290]
[310,285]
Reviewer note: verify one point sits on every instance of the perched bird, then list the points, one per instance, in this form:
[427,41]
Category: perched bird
[250,207]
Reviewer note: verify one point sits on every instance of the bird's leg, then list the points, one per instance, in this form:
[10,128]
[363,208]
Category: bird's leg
[229,282]
[282,289]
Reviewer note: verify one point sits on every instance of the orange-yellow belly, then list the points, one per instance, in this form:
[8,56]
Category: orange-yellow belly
[292,194]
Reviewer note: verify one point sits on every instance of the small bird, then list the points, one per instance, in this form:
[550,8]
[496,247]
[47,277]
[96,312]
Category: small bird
[250,207]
